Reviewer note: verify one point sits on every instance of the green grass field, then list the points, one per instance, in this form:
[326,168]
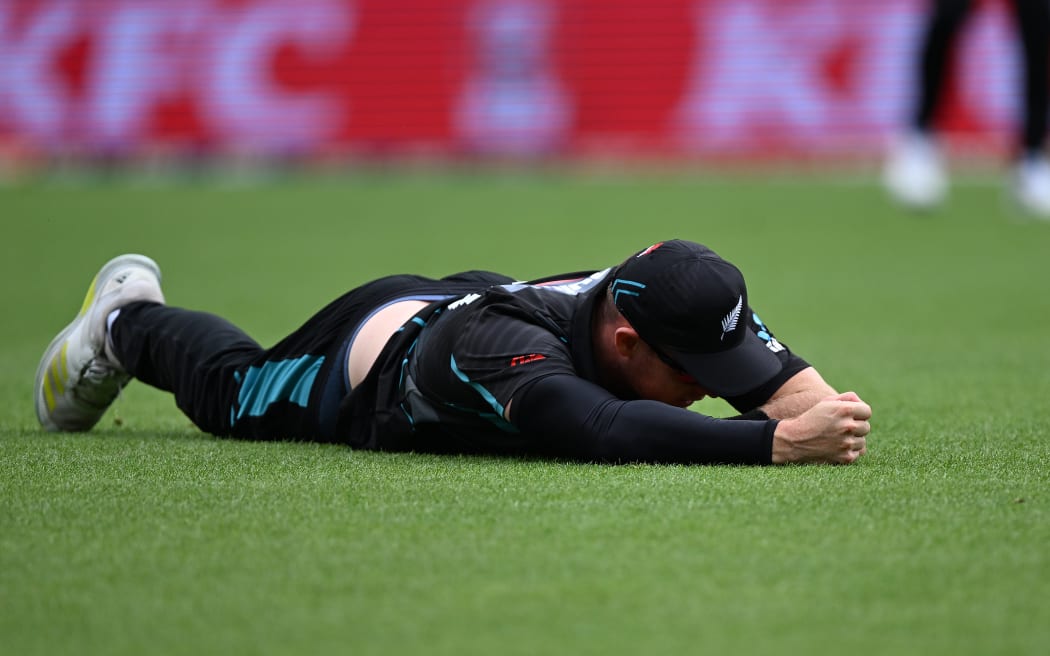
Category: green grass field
[147,537]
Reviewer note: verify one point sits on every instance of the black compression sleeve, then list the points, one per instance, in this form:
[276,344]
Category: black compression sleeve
[573,418]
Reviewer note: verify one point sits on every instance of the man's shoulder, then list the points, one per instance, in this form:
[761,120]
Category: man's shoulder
[501,318]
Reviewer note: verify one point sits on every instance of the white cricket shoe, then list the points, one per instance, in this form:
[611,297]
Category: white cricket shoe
[1031,185]
[914,174]
[78,377]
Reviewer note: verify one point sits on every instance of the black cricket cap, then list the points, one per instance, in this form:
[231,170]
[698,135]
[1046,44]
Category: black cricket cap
[690,306]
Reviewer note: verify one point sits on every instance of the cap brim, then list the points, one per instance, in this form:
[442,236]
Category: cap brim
[733,372]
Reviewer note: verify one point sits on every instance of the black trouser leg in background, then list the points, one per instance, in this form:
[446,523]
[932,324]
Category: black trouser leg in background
[1033,23]
[942,29]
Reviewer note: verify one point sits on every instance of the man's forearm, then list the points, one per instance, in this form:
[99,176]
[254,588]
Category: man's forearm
[800,393]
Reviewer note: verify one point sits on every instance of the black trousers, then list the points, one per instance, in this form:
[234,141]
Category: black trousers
[1033,24]
[229,385]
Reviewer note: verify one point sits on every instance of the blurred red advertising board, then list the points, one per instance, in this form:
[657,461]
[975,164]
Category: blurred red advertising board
[507,77]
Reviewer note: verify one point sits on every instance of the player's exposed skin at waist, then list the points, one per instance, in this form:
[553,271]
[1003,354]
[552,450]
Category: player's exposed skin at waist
[373,335]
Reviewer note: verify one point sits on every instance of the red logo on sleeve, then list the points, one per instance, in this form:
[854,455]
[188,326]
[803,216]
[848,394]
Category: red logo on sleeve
[525,359]
[650,249]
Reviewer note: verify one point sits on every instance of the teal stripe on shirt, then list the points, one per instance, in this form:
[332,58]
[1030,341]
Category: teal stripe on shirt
[497,417]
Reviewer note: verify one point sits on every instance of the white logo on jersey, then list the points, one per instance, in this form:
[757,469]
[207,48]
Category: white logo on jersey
[466,300]
[569,287]
[774,345]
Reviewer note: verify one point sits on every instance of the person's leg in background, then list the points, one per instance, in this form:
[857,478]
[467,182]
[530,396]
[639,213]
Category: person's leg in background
[915,174]
[1031,180]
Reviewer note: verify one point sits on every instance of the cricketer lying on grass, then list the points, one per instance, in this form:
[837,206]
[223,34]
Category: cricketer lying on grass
[594,366]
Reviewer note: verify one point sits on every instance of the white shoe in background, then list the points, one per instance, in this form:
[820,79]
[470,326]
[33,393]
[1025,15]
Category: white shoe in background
[1031,185]
[914,174]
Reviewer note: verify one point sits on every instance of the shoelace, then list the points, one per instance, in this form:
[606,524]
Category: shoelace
[100,383]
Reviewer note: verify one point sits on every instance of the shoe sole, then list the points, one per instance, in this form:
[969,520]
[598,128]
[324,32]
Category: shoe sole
[55,354]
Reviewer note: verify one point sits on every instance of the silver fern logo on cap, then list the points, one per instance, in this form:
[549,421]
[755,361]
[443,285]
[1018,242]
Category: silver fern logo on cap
[730,320]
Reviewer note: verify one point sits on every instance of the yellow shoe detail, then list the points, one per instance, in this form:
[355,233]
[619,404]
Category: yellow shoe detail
[90,297]
[61,373]
[49,384]
[55,380]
